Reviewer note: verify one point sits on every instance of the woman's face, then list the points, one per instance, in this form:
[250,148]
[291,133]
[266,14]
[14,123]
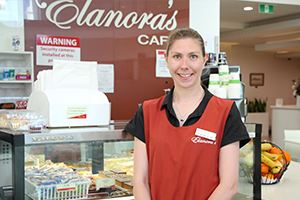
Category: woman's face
[186,62]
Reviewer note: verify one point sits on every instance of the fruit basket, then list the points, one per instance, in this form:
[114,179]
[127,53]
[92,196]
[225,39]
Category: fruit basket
[274,162]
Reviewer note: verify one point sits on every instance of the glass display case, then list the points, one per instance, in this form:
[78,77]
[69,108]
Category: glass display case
[67,163]
[84,163]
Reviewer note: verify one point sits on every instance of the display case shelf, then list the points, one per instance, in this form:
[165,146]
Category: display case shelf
[17,82]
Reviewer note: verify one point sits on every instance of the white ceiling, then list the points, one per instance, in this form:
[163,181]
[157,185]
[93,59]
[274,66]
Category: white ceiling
[278,32]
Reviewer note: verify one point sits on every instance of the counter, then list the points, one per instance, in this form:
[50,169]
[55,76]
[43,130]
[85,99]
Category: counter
[284,118]
[287,188]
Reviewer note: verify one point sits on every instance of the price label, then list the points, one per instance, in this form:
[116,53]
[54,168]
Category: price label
[29,163]
[66,187]
[105,183]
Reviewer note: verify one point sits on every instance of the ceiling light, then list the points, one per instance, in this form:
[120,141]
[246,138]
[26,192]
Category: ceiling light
[248,8]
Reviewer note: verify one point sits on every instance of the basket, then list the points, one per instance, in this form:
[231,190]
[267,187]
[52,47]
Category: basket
[266,178]
[77,190]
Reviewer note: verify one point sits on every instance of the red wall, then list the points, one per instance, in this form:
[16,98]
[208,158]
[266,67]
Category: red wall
[134,64]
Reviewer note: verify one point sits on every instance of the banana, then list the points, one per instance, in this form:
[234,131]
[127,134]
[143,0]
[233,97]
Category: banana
[266,146]
[271,155]
[268,161]
[274,167]
[278,168]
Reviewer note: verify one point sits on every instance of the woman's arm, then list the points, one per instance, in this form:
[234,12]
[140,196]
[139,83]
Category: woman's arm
[141,188]
[228,172]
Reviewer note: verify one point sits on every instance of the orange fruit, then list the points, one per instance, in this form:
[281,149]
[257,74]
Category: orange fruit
[275,150]
[264,168]
[287,156]
[269,176]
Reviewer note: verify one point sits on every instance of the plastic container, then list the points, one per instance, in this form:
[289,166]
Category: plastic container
[214,82]
[212,59]
[224,78]
[234,86]
[77,190]
[31,161]
[4,119]
[221,92]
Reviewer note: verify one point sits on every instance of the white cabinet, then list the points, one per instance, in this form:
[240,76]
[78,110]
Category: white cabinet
[19,64]
[284,118]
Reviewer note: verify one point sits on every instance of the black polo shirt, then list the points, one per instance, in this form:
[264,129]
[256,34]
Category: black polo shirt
[235,129]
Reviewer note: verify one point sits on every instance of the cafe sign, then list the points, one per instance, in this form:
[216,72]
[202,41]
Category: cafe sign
[106,18]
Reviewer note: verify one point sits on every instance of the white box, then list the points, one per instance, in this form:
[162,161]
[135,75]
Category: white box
[67,108]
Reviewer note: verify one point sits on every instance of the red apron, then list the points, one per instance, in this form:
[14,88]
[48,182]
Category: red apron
[184,161]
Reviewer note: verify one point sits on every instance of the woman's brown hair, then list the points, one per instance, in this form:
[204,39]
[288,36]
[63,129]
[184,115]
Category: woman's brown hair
[184,33]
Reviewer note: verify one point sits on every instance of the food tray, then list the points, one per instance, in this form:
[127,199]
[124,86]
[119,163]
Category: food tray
[77,190]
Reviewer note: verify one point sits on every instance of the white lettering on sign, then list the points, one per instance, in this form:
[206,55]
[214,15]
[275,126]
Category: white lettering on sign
[144,40]
[100,17]
[58,41]
[49,47]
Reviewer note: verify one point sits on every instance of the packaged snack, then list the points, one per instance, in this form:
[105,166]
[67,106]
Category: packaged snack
[24,120]
[3,119]
[7,105]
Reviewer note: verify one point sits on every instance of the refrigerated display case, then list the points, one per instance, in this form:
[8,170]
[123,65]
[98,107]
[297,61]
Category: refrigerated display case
[103,151]
[89,152]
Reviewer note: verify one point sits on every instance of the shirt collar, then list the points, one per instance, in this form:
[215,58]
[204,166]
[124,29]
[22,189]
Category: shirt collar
[167,103]
[168,100]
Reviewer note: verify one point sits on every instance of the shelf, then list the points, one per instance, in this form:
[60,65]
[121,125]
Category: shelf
[27,81]
[20,61]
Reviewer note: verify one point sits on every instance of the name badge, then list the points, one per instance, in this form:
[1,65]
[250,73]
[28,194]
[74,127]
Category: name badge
[205,134]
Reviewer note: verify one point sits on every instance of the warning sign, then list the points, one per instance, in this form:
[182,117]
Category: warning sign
[50,47]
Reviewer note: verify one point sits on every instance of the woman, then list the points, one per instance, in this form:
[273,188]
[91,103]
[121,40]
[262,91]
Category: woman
[187,142]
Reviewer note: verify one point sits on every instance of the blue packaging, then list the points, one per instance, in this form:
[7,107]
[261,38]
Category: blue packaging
[6,74]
